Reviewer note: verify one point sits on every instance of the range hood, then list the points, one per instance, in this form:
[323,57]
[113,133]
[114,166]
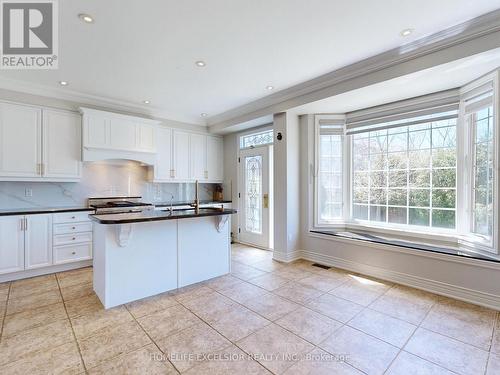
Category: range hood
[114,136]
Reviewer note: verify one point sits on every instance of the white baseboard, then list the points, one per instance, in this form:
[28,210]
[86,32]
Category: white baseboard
[287,257]
[464,294]
[44,271]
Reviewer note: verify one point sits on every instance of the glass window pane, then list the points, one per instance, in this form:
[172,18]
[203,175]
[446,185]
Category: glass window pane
[444,137]
[443,198]
[443,218]
[378,162]
[397,215]
[378,196]
[419,159]
[420,178]
[378,179]
[419,216]
[253,194]
[378,213]
[360,196]
[444,178]
[418,140]
[397,197]
[398,142]
[444,157]
[360,212]
[419,198]
[398,178]
[378,144]
[397,160]
[361,179]
[330,196]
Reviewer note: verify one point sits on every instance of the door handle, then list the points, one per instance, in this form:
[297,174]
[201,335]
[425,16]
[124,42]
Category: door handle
[265,200]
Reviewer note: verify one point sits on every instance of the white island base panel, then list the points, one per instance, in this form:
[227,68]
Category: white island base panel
[138,260]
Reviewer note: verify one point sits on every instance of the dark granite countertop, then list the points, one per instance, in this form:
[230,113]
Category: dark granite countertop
[187,203]
[41,210]
[151,215]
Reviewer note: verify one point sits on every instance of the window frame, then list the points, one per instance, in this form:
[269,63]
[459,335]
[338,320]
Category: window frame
[461,235]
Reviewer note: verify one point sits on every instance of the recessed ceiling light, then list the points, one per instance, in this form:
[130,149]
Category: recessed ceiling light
[269,88]
[86,18]
[200,63]
[204,114]
[63,83]
[146,101]
[406,32]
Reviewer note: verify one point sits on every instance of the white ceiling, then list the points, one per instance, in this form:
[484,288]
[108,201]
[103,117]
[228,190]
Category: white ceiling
[139,50]
[427,81]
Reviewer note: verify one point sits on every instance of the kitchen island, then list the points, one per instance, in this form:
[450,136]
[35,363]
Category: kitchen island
[140,254]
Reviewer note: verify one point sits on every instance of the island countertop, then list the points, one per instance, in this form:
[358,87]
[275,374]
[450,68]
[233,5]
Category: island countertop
[152,215]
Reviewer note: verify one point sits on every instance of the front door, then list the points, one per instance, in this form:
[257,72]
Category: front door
[255,197]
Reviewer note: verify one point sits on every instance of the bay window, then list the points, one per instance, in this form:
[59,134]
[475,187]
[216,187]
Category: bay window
[423,165]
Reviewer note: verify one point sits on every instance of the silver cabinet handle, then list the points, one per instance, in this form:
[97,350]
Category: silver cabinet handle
[25,224]
[73,228]
[73,252]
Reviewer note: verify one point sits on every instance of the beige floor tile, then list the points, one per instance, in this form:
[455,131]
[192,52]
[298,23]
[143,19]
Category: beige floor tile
[275,348]
[168,322]
[222,282]
[75,277]
[28,342]
[83,305]
[64,359]
[36,285]
[239,322]
[404,303]
[394,331]
[111,342]
[323,283]
[335,308]
[495,343]
[147,360]
[243,292]
[190,292]
[4,292]
[245,272]
[151,305]
[309,325]
[270,306]
[292,273]
[228,361]
[33,301]
[268,265]
[462,321]
[297,292]
[448,353]
[409,364]
[364,352]
[77,291]
[210,308]
[269,281]
[89,324]
[188,347]
[493,364]
[361,290]
[319,362]
[28,319]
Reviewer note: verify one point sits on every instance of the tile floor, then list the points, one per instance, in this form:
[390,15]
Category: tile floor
[266,317]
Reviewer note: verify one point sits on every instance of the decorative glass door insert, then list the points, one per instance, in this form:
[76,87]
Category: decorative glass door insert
[253,193]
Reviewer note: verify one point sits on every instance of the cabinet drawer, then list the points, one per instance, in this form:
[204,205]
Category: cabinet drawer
[72,253]
[71,217]
[72,228]
[66,239]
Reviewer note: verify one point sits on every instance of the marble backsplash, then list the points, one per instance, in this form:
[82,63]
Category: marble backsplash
[100,179]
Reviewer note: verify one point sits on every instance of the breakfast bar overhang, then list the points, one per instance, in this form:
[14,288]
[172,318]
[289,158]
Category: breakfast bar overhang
[141,254]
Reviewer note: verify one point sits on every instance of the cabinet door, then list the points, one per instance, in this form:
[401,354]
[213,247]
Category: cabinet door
[146,135]
[181,155]
[96,131]
[20,140]
[62,144]
[163,168]
[11,244]
[38,241]
[123,134]
[198,157]
[215,159]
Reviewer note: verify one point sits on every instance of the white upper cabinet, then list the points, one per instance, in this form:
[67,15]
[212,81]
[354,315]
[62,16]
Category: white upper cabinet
[62,146]
[215,159]
[113,131]
[11,244]
[198,157]
[38,241]
[181,155]
[20,140]
[163,169]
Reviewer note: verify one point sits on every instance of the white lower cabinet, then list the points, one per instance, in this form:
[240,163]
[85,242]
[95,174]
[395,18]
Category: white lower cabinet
[11,244]
[42,240]
[38,241]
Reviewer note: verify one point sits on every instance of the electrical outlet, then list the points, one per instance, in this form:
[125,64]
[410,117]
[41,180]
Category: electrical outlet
[28,192]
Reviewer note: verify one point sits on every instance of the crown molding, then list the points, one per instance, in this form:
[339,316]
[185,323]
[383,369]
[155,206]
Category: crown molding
[82,99]
[469,38]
